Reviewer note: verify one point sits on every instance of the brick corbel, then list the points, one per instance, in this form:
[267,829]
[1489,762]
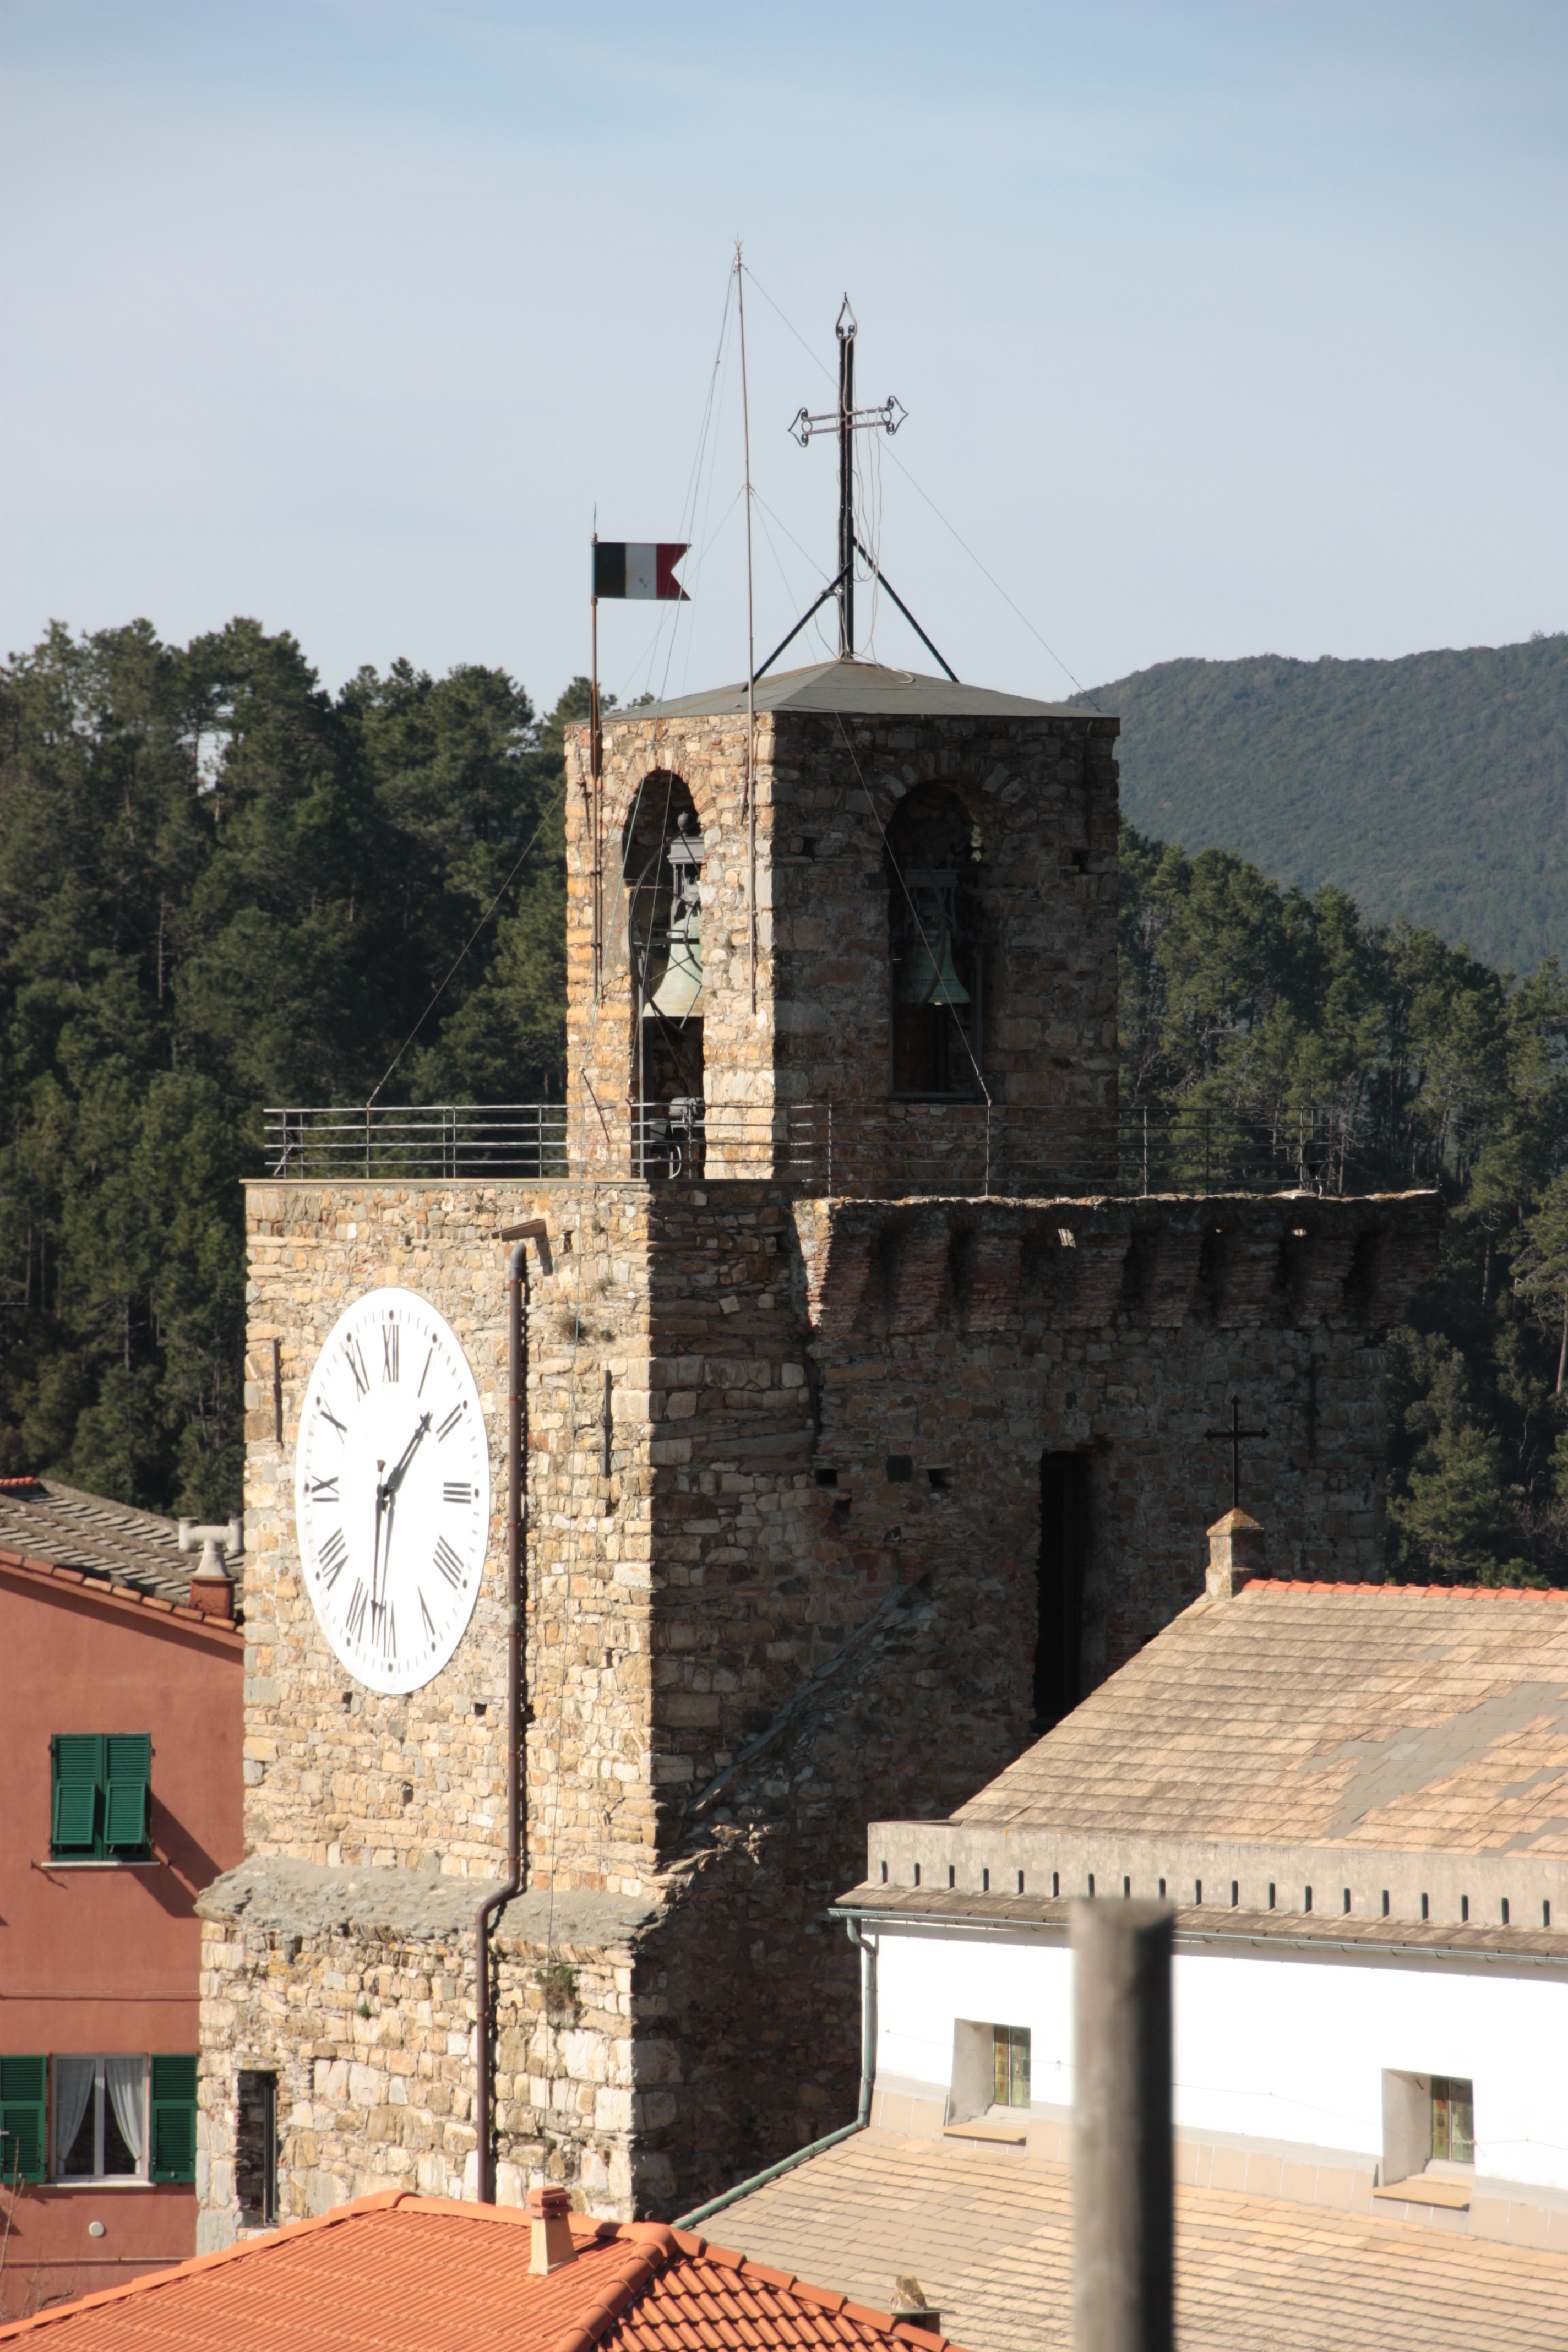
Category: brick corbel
[1101,1238]
[1319,1292]
[836,1241]
[1173,1284]
[995,1262]
[922,1273]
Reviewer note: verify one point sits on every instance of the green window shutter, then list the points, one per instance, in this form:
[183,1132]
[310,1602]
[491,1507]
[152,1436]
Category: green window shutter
[126,1823]
[77,1815]
[22,2118]
[175,2118]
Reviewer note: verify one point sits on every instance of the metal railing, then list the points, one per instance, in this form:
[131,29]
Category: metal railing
[1203,1149]
[953,1147]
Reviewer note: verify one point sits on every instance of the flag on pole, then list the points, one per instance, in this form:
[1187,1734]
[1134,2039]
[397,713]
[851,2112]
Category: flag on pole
[625,567]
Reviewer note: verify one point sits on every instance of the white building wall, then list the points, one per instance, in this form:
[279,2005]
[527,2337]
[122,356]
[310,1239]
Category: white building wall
[1283,2046]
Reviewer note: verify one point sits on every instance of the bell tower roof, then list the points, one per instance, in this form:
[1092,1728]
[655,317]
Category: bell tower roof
[867,688]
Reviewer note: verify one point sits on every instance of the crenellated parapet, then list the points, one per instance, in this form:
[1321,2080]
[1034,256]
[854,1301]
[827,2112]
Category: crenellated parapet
[1286,1260]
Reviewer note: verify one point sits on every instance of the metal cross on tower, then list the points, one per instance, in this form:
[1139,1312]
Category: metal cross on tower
[1234,1437]
[846,420]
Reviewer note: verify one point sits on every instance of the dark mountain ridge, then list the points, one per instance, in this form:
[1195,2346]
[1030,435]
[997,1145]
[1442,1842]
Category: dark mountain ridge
[1434,787]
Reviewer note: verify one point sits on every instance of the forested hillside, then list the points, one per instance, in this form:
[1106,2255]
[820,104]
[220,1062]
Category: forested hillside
[1434,788]
[222,888]
[1244,997]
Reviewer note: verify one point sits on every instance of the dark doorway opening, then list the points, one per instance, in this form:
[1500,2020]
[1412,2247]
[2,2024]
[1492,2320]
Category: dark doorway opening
[255,2150]
[1064,1559]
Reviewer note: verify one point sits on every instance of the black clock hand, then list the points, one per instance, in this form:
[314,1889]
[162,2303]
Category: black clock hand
[392,1485]
[375,1562]
[386,1499]
[386,1550]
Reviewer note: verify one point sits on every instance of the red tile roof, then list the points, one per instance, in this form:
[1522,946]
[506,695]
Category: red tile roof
[405,2274]
[120,1595]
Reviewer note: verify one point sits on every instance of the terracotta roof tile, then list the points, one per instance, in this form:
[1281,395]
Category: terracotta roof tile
[401,2273]
[1393,1717]
[990,2236]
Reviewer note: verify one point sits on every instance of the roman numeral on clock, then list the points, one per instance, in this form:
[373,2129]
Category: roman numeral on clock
[355,1363]
[456,1491]
[453,1418]
[359,1601]
[328,1414]
[388,1629]
[335,1551]
[325,1490]
[389,1351]
[448,1561]
[429,1620]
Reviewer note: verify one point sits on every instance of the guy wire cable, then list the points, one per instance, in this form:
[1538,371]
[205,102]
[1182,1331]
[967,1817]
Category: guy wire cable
[708,537]
[688,503]
[556,797]
[817,362]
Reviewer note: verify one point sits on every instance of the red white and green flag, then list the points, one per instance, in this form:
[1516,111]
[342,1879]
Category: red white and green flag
[639,568]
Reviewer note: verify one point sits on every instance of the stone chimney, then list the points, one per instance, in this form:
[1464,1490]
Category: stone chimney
[1235,1553]
[553,2241]
[211,1591]
[911,2305]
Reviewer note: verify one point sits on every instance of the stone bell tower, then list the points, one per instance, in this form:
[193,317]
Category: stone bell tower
[862,1414]
[907,915]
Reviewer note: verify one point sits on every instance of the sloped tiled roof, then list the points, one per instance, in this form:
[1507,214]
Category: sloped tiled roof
[869,690]
[40,1519]
[402,2273]
[1393,1717]
[989,2236]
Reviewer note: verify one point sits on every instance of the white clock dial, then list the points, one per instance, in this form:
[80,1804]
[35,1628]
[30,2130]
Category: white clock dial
[392,1490]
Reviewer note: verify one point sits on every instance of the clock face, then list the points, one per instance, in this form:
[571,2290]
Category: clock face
[392,1490]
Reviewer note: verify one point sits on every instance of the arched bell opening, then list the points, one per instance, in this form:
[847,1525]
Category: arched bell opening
[664,851]
[935,967]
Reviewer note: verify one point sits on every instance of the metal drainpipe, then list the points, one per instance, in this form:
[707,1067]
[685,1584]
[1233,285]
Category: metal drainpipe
[866,1947]
[516,1507]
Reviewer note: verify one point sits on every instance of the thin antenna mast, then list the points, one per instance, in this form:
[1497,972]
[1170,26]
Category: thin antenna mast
[845,334]
[750,652]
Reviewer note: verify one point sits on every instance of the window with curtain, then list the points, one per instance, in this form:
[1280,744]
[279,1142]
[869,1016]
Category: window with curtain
[1453,2120]
[101,2118]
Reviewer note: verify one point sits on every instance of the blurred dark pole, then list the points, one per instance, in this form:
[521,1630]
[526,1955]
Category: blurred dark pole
[1123,2159]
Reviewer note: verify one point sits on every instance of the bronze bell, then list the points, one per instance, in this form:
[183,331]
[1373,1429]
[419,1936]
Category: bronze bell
[678,996]
[923,980]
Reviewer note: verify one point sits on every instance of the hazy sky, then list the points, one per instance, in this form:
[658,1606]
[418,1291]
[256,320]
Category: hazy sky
[1221,329]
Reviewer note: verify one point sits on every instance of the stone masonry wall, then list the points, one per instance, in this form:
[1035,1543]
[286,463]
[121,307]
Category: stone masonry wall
[338,1774]
[370,2030]
[1041,795]
[973,1337]
[768,1354]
